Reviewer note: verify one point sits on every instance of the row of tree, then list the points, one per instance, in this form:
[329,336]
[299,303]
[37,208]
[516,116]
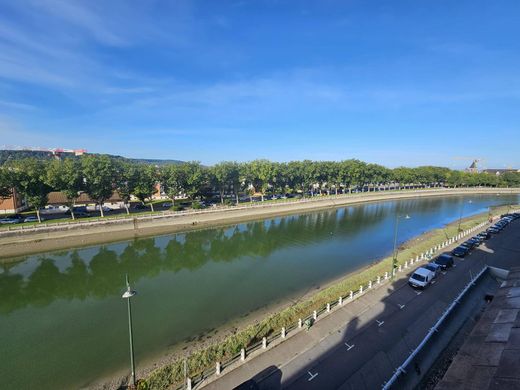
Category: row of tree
[99,176]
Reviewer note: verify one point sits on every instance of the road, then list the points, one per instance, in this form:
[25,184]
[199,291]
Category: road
[361,344]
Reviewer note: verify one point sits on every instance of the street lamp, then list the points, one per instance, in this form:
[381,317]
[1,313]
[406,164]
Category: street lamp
[394,259]
[129,293]
[461,211]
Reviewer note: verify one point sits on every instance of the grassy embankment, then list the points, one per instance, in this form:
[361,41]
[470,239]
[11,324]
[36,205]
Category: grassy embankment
[173,373]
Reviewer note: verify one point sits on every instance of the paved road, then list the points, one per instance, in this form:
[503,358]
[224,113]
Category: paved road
[360,345]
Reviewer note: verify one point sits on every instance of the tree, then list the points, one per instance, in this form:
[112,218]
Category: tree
[126,180]
[221,177]
[66,176]
[195,178]
[32,182]
[100,174]
[7,182]
[146,183]
[174,181]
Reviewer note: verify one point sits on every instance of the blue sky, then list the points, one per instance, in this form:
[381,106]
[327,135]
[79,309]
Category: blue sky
[392,82]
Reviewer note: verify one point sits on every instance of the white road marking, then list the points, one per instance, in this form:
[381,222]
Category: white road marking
[312,376]
[379,323]
[433,281]
[418,292]
[349,347]
[401,306]
[443,272]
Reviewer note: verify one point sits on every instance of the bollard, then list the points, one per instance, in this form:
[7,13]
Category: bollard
[300,323]
[394,272]
[400,268]
[283,332]
[328,307]
[369,284]
[188,384]
[315,314]
[416,258]
[351,294]
[340,301]
[379,280]
[361,289]
[217,368]
[406,264]
[242,354]
[386,275]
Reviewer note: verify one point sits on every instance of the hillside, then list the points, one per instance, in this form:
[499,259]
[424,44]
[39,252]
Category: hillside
[10,155]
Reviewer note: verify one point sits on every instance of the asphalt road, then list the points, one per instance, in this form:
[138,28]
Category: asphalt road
[364,357]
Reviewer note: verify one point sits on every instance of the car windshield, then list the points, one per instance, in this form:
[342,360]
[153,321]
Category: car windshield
[418,277]
[430,267]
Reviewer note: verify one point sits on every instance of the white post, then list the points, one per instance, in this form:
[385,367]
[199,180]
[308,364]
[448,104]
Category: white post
[416,258]
[361,289]
[369,284]
[386,275]
[379,280]
[315,314]
[400,267]
[328,307]
[188,384]
[300,323]
[283,332]
[406,264]
[340,301]
[264,341]
[242,354]
[351,294]
[217,368]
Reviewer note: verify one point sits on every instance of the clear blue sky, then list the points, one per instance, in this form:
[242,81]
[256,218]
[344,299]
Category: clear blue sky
[392,82]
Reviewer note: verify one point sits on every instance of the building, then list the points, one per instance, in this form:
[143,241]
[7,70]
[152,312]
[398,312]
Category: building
[499,172]
[13,204]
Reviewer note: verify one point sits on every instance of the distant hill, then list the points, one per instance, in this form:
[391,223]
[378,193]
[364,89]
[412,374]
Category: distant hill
[11,155]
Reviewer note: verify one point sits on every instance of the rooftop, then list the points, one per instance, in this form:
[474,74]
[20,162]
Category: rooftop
[490,357]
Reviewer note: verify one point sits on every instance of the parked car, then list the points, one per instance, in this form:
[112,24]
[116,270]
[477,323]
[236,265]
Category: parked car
[485,235]
[139,206]
[421,278]
[33,218]
[10,220]
[493,230]
[167,204]
[435,268]
[81,214]
[445,261]
[460,251]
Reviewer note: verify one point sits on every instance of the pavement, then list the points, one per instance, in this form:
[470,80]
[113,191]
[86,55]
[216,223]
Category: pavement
[360,344]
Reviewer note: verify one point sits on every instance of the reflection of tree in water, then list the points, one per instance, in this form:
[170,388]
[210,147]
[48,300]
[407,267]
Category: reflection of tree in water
[101,276]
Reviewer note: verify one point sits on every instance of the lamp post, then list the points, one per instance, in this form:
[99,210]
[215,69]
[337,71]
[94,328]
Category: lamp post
[394,258]
[462,211]
[129,293]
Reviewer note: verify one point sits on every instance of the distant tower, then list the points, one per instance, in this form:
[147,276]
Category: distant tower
[473,167]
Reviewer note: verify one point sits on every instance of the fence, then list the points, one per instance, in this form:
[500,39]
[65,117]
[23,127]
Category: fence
[329,307]
[161,215]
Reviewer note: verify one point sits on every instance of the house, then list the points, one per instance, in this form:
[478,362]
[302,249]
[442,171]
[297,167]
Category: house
[14,204]
[499,172]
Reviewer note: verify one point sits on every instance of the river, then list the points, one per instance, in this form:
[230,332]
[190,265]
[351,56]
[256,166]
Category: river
[63,323]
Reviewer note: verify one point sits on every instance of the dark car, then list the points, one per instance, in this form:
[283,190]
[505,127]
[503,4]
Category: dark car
[139,206]
[445,261]
[81,214]
[460,251]
[493,230]
[474,241]
[485,235]
[470,244]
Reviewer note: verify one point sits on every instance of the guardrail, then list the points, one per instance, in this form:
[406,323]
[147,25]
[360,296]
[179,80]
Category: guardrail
[43,227]
[323,311]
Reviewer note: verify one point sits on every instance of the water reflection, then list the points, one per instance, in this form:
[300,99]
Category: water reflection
[92,272]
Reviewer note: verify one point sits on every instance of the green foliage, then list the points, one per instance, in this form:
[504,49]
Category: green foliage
[100,174]
[31,180]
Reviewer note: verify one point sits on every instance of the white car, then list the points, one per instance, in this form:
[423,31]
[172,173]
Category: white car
[421,278]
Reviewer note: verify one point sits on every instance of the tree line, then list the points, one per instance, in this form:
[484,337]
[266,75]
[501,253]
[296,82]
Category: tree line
[100,175]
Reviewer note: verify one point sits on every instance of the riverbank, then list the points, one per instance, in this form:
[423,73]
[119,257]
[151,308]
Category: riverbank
[223,348]
[19,242]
